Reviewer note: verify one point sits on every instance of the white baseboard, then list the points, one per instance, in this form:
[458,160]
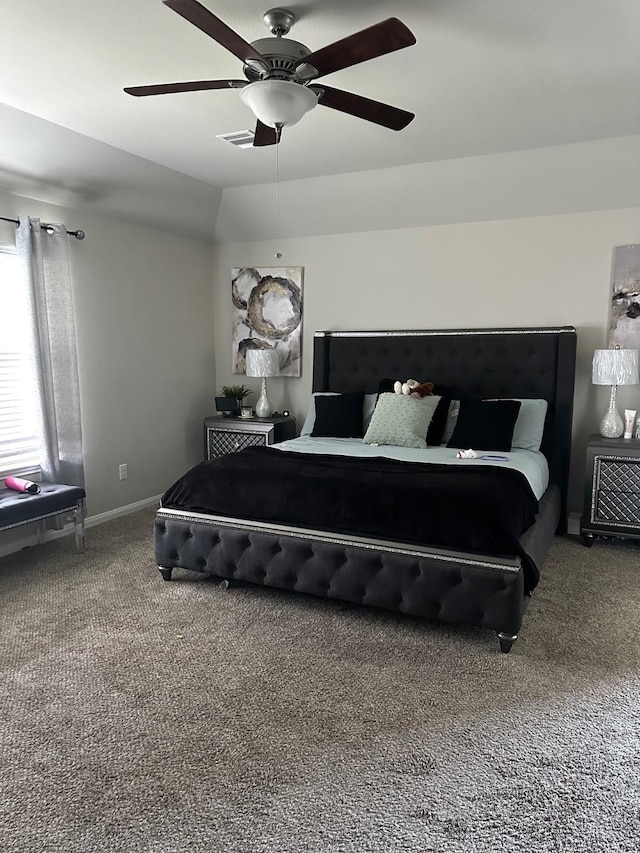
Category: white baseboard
[92,520]
[25,537]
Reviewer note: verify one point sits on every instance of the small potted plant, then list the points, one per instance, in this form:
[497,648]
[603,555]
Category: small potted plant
[238,392]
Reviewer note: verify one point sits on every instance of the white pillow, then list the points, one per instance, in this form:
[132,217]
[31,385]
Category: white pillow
[401,421]
[368,406]
[529,427]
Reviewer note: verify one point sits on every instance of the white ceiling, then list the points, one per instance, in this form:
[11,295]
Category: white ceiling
[485,76]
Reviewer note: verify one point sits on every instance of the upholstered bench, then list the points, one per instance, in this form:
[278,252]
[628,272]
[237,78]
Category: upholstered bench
[54,501]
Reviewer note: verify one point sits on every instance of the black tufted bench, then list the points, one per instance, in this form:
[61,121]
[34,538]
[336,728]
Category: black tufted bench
[62,503]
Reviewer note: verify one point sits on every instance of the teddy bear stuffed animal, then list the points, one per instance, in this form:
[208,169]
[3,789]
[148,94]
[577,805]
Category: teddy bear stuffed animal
[413,388]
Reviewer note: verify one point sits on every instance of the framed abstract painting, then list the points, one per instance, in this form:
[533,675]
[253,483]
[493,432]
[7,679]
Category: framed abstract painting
[624,317]
[267,314]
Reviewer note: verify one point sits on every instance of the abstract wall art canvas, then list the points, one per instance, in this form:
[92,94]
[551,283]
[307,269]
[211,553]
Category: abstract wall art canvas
[267,314]
[624,323]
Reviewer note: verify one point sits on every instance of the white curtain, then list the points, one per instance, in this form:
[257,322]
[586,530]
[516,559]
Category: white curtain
[44,253]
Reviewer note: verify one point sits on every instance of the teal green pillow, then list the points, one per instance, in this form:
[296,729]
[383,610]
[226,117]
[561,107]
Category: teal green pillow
[402,421]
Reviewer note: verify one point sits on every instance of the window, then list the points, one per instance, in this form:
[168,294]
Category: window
[19,446]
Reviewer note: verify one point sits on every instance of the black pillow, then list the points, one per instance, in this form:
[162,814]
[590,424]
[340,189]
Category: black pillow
[439,419]
[339,416]
[485,424]
[386,386]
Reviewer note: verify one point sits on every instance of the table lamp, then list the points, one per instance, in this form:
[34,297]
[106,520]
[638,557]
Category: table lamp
[614,367]
[262,363]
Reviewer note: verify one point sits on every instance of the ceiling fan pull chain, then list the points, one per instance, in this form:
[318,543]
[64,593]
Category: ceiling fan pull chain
[277,147]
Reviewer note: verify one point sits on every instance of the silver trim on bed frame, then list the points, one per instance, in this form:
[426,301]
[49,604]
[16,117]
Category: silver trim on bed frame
[433,332]
[503,564]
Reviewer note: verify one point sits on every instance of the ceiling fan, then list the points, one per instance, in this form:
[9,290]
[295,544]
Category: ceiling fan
[280,73]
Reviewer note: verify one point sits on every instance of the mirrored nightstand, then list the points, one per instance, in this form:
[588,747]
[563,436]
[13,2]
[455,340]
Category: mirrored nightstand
[612,489]
[229,435]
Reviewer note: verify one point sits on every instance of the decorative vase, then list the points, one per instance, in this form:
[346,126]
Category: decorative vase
[612,425]
[264,409]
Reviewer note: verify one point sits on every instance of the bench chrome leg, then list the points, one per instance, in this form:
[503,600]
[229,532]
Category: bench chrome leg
[78,526]
[506,641]
[40,531]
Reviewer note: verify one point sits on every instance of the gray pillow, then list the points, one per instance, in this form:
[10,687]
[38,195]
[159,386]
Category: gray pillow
[452,420]
[529,427]
[402,421]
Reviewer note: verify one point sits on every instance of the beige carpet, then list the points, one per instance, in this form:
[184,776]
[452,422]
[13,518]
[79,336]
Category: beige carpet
[138,715]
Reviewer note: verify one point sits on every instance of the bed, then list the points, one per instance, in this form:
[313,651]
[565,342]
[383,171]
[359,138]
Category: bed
[473,562]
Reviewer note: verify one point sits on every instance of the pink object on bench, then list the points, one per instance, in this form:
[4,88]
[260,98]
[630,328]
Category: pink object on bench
[18,484]
[53,503]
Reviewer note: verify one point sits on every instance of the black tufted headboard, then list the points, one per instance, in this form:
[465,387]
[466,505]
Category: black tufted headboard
[478,363]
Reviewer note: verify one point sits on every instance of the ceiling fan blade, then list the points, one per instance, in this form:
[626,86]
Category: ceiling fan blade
[264,135]
[355,105]
[191,86]
[377,40]
[206,21]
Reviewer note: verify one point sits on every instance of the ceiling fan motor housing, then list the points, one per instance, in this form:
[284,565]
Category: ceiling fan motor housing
[283,56]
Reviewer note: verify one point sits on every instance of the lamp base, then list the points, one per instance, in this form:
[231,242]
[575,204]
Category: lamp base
[264,409]
[612,425]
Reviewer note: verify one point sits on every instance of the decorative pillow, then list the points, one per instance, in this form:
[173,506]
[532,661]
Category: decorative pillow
[367,410]
[439,419]
[401,420]
[529,428]
[385,386]
[485,424]
[339,415]
[368,407]
[451,420]
[310,419]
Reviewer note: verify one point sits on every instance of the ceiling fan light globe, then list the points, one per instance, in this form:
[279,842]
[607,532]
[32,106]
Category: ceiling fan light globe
[278,103]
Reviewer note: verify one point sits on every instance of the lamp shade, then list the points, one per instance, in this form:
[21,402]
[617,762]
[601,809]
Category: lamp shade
[615,367]
[262,362]
[278,103]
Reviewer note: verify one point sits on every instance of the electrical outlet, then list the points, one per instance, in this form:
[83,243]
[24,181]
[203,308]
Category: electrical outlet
[122,471]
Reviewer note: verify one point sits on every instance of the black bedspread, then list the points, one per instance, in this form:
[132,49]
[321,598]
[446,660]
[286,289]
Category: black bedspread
[471,508]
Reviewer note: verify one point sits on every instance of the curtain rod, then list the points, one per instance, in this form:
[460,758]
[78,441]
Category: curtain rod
[79,235]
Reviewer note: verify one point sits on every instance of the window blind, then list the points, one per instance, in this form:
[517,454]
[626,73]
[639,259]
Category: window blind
[19,445]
